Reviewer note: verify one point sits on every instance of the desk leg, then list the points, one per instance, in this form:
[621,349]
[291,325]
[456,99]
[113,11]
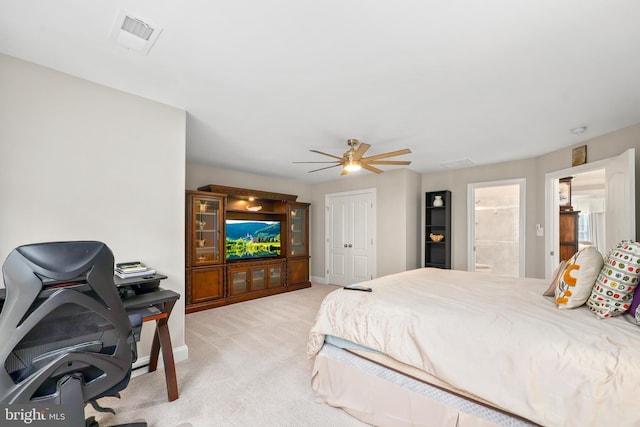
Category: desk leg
[162,340]
[155,349]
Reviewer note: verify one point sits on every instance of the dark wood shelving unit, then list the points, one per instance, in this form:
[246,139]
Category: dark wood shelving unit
[212,279]
[568,234]
[437,221]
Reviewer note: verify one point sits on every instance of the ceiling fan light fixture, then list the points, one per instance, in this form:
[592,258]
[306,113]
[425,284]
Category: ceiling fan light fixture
[352,166]
[354,160]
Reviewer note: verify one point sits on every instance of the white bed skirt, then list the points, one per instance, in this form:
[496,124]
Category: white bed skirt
[383,397]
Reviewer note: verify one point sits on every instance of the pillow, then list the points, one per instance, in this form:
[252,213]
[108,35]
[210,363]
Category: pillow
[578,277]
[551,290]
[635,302]
[613,291]
[634,305]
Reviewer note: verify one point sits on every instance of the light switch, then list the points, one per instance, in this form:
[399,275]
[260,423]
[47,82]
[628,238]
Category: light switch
[539,230]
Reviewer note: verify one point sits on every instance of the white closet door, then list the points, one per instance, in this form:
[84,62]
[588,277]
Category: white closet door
[359,245]
[337,235]
[350,224]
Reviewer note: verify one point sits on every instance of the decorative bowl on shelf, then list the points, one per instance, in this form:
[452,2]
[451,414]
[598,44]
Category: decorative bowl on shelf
[436,237]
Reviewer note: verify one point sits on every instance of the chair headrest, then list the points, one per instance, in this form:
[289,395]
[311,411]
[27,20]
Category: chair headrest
[61,260]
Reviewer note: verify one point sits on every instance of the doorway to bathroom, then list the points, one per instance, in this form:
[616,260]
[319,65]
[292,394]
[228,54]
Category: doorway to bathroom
[496,220]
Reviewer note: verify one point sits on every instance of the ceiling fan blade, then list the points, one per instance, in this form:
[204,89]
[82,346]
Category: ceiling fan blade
[362,148]
[385,155]
[370,168]
[326,154]
[321,169]
[334,161]
[387,162]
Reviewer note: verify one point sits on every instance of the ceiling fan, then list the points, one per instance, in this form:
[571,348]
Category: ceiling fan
[352,160]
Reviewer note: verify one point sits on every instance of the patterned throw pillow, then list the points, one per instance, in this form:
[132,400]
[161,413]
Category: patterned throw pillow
[578,277]
[613,291]
[551,290]
[635,304]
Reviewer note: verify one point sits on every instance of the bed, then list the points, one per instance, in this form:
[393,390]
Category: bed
[454,348]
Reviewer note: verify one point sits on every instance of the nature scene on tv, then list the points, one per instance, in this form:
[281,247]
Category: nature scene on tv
[252,239]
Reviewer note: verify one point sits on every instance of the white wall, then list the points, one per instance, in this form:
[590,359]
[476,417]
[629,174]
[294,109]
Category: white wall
[200,175]
[598,148]
[456,181]
[413,201]
[398,214]
[397,218]
[533,170]
[80,161]
[400,207]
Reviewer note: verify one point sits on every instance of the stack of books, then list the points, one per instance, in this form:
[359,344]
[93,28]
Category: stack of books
[127,270]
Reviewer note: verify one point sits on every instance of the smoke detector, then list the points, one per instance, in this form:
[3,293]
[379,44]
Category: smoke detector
[578,130]
[134,33]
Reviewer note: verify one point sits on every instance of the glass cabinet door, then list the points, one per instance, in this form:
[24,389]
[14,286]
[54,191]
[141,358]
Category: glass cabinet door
[239,282]
[206,230]
[258,279]
[298,218]
[275,277]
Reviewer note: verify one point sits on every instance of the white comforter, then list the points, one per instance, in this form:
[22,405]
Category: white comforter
[499,339]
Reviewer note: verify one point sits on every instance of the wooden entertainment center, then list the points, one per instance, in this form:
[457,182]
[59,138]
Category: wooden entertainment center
[213,277]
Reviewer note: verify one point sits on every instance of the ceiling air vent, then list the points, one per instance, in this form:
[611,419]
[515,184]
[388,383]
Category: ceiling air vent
[134,33]
[457,164]
[137,27]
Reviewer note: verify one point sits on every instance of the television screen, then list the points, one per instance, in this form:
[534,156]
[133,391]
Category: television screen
[248,239]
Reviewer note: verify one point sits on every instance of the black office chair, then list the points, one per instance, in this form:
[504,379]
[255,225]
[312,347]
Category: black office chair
[65,338]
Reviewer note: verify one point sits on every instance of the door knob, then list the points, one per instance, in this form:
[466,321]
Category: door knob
[345,245]
[350,245]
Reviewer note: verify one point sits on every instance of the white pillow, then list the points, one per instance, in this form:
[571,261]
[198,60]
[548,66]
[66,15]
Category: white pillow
[578,277]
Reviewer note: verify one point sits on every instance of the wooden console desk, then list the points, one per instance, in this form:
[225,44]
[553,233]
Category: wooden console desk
[155,305]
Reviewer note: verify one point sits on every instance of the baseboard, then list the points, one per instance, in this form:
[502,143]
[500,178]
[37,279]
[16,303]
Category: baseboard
[317,279]
[142,364]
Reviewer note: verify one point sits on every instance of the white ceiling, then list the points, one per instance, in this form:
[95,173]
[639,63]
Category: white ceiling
[265,81]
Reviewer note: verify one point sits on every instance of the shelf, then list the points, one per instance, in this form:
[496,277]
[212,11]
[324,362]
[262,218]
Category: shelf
[437,221]
[245,211]
[434,264]
[210,275]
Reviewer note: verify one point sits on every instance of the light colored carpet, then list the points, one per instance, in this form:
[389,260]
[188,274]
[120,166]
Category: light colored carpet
[247,366]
